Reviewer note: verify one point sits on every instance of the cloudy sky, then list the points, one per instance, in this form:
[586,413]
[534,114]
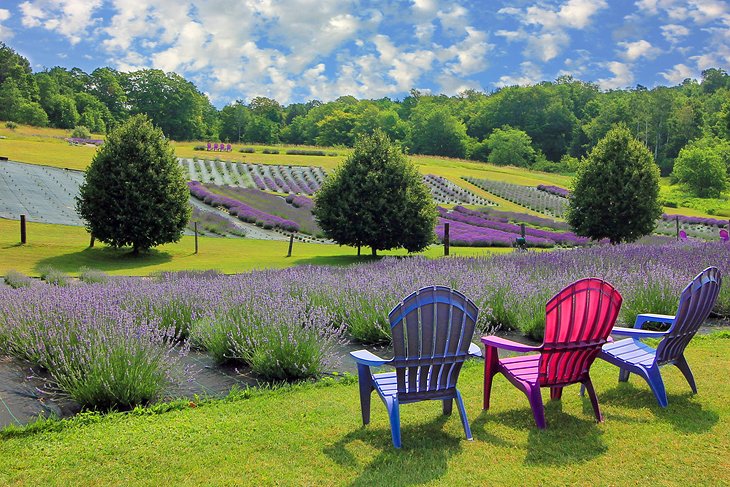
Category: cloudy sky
[298,50]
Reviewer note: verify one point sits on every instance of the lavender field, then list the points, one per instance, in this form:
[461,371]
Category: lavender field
[118,343]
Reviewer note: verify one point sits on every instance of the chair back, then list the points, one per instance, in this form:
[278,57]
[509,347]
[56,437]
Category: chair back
[578,321]
[695,304]
[724,236]
[432,331]
[682,235]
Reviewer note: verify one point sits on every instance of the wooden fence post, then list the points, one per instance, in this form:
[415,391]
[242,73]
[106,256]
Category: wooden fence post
[446,239]
[195,228]
[22,229]
[291,244]
[677,219]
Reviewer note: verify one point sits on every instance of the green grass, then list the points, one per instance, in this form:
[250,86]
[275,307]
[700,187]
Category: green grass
[65,248]
[311,435]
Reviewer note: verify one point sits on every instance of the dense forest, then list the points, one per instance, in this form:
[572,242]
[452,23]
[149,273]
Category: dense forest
[545,126]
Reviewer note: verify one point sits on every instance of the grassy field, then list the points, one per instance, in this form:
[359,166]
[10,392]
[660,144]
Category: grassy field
[66,248]
[46,146]
[312,435]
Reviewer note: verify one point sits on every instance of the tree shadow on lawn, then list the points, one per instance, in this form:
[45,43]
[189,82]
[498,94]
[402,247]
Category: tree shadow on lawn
[337,260]
[568,439]
[423,458]
[105,259]
[685,413]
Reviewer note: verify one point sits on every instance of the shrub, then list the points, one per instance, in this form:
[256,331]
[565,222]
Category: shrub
[305,152]
[247,150]
[81,132]
[11,125]
[54,276]
[270,151]
[92,276]
[200,147]
[17,280]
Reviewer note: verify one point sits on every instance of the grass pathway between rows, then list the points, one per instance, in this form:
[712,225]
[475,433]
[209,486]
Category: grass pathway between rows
[311,435]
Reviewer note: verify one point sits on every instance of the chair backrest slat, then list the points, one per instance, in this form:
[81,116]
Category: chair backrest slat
[432,330]
[578,321]
[695,304]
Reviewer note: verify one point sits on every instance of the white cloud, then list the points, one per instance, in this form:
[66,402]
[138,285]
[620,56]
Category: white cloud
[674,33]
[622,76]
[639,49]
[679,73]
[546,27]
[5,32]
[70,18]
[530,74]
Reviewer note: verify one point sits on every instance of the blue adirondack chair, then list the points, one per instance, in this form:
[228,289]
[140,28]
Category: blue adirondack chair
[633,356]
[432,331]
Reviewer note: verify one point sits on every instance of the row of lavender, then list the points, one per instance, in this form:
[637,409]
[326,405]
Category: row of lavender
[119,343]
[241,210]
[527,196]
[444,191]
[472,228]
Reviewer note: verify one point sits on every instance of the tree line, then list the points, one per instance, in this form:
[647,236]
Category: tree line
[547,126]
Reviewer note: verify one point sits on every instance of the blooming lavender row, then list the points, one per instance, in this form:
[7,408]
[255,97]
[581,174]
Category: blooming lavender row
[478,218]
[696,220]
[462,233]
[214,223]
[556,190]
[538,221]
[299,201]
[241,210]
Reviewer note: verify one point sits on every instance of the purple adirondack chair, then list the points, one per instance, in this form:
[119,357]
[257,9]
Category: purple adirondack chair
[724,236]
[432,331]
[631,355]
[682,235]
[578,321]
[228,147]
[215,146]
[209,146]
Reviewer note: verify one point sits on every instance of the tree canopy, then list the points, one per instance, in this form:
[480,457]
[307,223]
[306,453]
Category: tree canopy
[134,192]
[700,167]
[616,190]
[376,198]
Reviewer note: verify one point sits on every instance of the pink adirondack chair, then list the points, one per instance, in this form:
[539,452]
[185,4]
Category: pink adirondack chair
[578,321]
[724,236]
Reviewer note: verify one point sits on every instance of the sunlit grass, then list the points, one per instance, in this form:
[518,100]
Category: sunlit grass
[66,248]
[312,435]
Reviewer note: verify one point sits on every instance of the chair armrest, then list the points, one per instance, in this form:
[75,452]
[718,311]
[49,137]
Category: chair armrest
[503,343]
[474,350]
[363,357]
[637,333]
[650,317]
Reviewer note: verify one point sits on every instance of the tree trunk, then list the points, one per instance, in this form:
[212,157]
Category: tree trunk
[375,252]
[358,251]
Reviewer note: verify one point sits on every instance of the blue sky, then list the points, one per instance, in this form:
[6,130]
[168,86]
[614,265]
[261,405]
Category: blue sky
[298,50]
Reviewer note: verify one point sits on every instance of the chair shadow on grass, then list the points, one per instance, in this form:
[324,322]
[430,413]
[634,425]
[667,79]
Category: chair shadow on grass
[568,439]
[105,259]
[685,413]
[423,458]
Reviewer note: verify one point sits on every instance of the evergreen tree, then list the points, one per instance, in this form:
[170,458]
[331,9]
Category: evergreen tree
[134,192]
[616,190]
[376,198]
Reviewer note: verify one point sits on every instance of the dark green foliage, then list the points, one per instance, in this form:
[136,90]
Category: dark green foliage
[134,192]
[81,132]
[510,147]
[616,190]
[437,132]
[376,198]
[700,167]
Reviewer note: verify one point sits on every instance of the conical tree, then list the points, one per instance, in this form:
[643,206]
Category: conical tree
[616,191]
[134,192]
[376,198]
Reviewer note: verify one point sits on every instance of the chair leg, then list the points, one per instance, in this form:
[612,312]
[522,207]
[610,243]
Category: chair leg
[365,382]
[394,413]
[491,363]
[654,379]
[448,405]
[538,411]
[556,393]
[682,365]
[623,375]
[594,399]
[462,414]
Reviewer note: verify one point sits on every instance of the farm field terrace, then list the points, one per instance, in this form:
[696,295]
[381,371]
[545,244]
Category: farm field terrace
[312,435]
[66,249]
[47,146]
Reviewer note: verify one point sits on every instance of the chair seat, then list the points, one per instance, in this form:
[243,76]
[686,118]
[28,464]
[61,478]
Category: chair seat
[629,350]
[523,368]
[387,386]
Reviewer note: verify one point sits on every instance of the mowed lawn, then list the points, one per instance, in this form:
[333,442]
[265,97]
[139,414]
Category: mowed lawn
[66,248]
[312,435]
